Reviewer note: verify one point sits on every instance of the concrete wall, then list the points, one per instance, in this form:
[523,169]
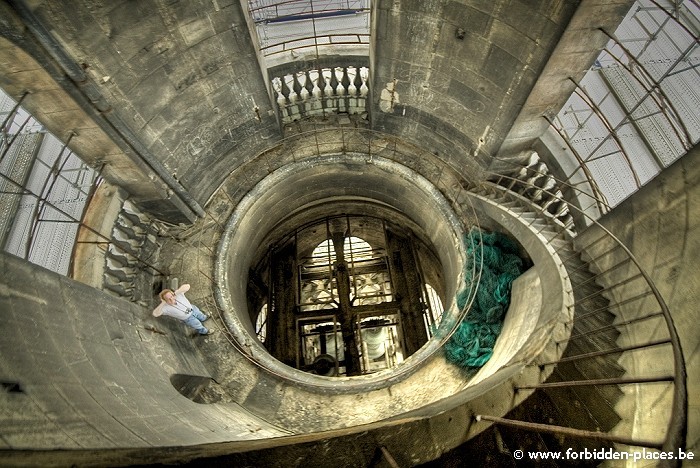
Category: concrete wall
[455,74]
[169,90]
[184,77]
[661,226]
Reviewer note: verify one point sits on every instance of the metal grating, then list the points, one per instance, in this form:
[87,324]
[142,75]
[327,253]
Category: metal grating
[650,129]
[644,112]
[16,165]
[42,223]
[300,26]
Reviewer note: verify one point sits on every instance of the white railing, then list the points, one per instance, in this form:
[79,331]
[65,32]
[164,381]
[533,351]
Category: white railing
[320,92]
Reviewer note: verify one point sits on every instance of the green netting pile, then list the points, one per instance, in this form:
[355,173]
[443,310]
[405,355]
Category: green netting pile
[472,344]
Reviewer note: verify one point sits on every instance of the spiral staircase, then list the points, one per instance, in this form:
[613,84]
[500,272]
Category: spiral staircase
[586,404]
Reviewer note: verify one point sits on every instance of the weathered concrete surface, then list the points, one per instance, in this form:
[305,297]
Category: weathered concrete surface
[176,84]
[302,404]
[69,105]
[183,76]
[84,370]
[459,96]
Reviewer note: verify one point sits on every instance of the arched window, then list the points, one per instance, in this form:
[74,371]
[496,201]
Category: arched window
[356,300]
[355,250]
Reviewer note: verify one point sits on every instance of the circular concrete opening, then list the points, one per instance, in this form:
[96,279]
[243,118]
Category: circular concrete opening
[325,186]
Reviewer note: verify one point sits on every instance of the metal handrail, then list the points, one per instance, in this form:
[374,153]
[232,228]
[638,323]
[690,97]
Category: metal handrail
[563,430]
[675,434]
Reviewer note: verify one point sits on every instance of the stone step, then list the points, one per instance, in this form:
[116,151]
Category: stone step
[117,256]
[120,274]
[130,232]
[120,289]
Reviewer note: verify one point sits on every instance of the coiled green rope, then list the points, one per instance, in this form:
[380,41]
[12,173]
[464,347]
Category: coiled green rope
[472,343]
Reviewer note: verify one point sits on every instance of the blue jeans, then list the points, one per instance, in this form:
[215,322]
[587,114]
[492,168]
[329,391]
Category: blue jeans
[195,320]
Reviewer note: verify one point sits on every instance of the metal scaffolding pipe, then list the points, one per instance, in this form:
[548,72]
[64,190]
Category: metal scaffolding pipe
[567,431]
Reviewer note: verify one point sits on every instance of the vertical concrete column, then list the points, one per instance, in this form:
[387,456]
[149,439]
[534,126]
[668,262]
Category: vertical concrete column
[346,316]
[282,332]
[407,285]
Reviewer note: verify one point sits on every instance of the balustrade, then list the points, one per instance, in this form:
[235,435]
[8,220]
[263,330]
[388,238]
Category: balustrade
[320,92]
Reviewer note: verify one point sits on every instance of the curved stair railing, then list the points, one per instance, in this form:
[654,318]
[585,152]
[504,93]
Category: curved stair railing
[616,303]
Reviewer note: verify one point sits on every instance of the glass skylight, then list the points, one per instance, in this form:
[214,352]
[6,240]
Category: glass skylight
[304,27]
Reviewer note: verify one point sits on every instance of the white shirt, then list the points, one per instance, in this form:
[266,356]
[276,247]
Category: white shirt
[181,309]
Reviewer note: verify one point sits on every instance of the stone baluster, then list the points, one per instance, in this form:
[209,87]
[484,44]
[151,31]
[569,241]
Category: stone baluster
[303,92]
[364,75]
[316,93]
[364,90]
[281,99]
[293,97]
[352,90]
[329,101]
[339,73]
[299,90]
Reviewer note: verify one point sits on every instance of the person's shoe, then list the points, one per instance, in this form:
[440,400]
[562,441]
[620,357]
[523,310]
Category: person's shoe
[208,332]
[206,317]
